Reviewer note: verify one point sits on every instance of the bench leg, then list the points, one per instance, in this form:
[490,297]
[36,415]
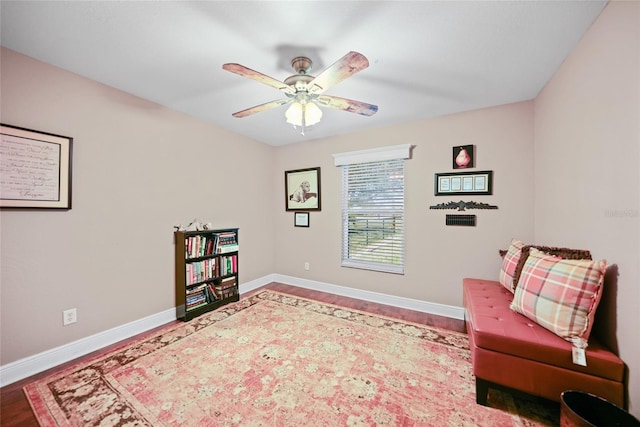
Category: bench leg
[482,389]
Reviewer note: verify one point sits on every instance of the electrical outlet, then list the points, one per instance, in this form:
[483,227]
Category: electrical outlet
[69,316]
[306,265]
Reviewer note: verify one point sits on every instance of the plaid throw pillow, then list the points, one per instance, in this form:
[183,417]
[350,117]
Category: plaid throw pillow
[560,295]
[564,253]
[509,264]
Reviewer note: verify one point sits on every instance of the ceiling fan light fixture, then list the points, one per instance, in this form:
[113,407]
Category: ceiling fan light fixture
[308,111]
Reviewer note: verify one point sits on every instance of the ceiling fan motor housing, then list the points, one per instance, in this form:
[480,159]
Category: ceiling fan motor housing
[298,81]
[301,64]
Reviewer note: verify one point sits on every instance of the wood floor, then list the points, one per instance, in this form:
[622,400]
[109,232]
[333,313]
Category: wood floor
[16,412]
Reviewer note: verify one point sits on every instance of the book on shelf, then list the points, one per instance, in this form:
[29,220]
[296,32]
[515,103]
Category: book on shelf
[227,242]
[193,307]
[227,282]
[228,248]
[212,292]
[226,288]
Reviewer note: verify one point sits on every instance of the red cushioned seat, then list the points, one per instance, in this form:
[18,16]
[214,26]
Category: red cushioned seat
[498,328]
[504,344]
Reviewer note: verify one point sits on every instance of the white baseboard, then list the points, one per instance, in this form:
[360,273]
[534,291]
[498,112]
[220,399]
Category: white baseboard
[23,368]
[392,300]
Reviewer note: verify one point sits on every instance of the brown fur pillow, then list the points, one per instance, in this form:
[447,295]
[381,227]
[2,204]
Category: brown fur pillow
[564,253]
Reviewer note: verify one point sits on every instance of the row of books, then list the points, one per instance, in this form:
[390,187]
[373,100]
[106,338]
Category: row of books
[208,293]
[210,244]
[211,268]
[228,264]
[200,271]
[227,242]
[197,297]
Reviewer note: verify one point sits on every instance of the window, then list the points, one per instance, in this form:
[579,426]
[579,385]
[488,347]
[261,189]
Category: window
[373,208]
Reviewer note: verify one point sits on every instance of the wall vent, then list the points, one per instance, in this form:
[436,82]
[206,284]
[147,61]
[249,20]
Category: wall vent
[463,220]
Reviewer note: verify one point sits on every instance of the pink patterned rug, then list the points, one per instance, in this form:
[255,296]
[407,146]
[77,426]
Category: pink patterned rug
[278,360]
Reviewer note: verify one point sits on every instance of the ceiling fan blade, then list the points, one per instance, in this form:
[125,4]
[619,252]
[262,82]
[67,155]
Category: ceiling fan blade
[349,105]
[255,75]
[342,69]
[262,107]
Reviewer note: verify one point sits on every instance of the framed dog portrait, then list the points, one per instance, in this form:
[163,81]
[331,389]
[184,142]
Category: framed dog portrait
[302,189]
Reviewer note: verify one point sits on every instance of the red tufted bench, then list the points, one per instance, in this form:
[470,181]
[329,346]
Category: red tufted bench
[509,350]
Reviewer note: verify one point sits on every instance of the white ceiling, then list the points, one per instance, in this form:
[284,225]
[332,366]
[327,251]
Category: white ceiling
[427,58]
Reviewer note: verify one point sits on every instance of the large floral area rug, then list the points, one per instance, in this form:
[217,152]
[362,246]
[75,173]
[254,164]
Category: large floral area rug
[277,360]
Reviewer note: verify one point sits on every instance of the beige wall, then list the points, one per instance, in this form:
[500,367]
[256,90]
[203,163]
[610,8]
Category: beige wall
[565,170]
[587,127]
[437,256]
[138,169]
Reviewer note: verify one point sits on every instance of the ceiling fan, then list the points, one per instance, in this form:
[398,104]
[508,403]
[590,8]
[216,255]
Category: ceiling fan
[305,92]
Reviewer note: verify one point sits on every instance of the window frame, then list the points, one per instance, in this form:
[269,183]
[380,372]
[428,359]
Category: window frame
[346,160]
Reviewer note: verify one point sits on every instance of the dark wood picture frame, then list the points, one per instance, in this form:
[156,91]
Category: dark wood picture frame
[463,183]
[301,219]
[302,189]
[35,168]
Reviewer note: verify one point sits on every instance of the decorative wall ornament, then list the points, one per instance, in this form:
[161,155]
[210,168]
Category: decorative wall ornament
[461,205]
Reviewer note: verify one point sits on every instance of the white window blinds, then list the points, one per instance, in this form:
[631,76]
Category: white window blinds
[373,215]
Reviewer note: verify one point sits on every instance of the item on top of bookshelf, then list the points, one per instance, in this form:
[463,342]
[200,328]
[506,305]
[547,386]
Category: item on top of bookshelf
[458,183]
[463,157]
[35,169]
[463,205]
[302,189]
[194,225]
[206,270]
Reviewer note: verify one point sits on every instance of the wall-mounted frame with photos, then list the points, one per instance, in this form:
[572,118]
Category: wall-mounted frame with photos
[459,183]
